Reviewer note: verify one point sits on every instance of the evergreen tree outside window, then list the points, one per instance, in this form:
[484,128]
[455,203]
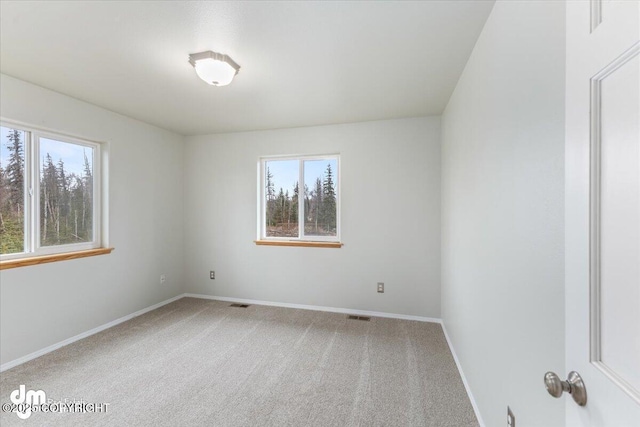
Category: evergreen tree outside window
[50,196]
[299,198]
[12,191]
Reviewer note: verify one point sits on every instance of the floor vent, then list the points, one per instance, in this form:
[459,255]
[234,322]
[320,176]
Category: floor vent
[365,318]
[239,305]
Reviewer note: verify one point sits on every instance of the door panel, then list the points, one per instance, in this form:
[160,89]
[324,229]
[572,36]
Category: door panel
[615,224]
[602,216]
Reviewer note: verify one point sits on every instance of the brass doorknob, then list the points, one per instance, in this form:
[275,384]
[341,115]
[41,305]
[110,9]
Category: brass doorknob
[573,385]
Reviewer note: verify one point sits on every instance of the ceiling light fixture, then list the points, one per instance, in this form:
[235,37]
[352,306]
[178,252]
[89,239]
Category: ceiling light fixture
[214,68]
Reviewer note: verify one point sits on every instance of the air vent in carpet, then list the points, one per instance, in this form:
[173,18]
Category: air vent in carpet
[239,305]
[365,318]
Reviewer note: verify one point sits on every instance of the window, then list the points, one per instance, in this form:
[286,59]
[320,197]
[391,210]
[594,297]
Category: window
[50,193]
[300,199]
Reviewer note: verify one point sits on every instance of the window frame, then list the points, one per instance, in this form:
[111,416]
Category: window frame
[262,237]
[33,247]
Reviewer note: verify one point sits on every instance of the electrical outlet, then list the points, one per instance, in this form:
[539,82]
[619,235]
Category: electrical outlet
[380,288]
[163,278]
[511,419]
[212,275]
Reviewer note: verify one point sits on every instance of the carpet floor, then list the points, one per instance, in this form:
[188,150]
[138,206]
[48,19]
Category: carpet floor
[198,362]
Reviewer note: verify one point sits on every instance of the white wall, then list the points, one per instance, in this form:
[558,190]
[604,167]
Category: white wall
[42,305]
[390,187]
[502,210]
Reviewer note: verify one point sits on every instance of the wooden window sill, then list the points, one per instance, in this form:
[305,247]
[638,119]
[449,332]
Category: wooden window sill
[35,260]
[298,243]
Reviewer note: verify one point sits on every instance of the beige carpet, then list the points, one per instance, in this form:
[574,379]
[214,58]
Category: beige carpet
[202,363]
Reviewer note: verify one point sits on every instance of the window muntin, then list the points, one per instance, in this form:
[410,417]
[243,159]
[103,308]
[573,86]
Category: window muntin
[62,198]
[297,191]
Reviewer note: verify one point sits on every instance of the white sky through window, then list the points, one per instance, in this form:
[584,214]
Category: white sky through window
[71,154]
[286,173]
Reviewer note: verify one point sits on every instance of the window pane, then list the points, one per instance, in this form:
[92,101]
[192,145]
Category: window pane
[66,193]
[12,190]
[320,195]
[281,198]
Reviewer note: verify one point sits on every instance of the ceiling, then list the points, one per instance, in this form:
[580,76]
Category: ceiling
[303,63]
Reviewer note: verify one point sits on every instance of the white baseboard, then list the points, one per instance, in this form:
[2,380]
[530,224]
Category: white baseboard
[464,379]
[317,308]
[31,356]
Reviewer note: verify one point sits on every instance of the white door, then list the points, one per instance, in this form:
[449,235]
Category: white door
[602,216]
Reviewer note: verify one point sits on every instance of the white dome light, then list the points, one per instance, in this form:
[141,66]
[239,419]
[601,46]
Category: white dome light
[214,68]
